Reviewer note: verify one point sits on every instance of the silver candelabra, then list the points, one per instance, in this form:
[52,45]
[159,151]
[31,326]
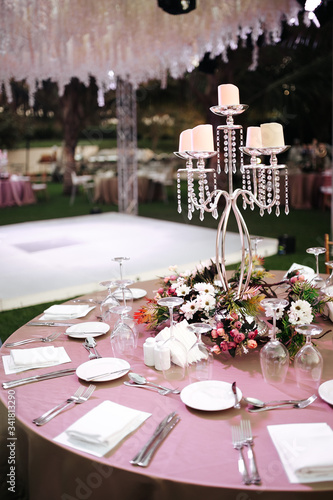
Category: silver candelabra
[260,186]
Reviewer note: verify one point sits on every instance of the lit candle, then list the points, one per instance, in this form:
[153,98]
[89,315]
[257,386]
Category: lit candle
[185,140]
[228,95]
[253,137]
[202,138]
[272,135]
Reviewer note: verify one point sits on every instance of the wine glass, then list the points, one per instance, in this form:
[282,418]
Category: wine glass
[329,280]
[174,368]
[199,357]
[122,293]
[254,245]
[316,251]
[274,356]
[107,305]
[123,338]
[308,361]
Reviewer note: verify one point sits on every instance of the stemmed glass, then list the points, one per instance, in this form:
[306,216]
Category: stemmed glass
[308,361]
[123,294]
[199,357]
[329,280]
[175,367]
[123,337]
[316,251]
[107,305]
[254,244]
[274,356]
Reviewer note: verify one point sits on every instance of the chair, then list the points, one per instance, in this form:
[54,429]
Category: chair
[326,189]
[86,182]
[39,187]
[328,243]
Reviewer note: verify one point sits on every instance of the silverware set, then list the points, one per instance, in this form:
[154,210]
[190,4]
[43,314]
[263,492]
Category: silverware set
[36,378]
[90,344]
[242,437]
[145,455]
[301,403]
[49,338]
[80,396]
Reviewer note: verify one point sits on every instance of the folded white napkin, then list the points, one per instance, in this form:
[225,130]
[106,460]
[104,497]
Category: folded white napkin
[307,272]
[187,337]
[66,311]
[102,428]
[37,357]
[305,450]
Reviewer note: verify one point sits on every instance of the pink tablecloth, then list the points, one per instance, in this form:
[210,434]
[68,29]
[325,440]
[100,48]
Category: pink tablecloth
[16,192]
[196,461]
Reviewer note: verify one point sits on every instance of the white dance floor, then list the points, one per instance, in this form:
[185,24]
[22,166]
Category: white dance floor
[61,258]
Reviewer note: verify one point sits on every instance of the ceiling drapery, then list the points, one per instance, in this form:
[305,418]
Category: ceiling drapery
[133,40]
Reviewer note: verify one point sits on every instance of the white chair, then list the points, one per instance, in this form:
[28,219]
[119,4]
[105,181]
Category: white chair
[86,182]
[163,177]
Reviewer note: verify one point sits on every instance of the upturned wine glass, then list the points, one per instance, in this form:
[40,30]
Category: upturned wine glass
[174,368]
[274,356]
[308,361]
[329,280]
[199,357]
[316,251]
[122,293]
[123,337]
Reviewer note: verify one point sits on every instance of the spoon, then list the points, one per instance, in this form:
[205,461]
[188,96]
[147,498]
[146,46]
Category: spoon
[91,343]
[234,390]
[139,379]
[261,404]
[300,404]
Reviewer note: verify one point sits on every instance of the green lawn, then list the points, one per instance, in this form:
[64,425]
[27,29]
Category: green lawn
[307,227]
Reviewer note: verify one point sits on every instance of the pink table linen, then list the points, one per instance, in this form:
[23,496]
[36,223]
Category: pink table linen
[197,459]
[16,192]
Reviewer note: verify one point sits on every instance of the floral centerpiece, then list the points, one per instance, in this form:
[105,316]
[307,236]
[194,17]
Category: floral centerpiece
[236,321]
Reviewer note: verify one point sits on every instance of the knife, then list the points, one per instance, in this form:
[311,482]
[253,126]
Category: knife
[36,378]
[48,323]
[138,457]
[106,374]
[165,431]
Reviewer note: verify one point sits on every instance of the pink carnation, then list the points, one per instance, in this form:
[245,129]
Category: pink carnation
[239,337]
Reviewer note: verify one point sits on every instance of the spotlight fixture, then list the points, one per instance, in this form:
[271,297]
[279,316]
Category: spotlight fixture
[176,7]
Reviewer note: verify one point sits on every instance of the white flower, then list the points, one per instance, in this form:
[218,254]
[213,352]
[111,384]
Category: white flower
[182,290]
[173,269]
[204,288]
[206,301]
[278,313]
[178,283]
[189,308]
[300,313]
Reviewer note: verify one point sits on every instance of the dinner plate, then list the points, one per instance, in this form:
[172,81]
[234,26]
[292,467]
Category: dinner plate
[98,366]
[91,328]
[325,391]
[209,395]
[138,293]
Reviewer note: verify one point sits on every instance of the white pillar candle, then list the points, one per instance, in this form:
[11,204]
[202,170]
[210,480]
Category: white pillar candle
[272,135]
[253,137]
[202,138]
[228,95]
[185,140]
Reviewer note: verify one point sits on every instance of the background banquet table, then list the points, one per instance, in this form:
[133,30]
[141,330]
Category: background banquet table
[16,192]
[197,459]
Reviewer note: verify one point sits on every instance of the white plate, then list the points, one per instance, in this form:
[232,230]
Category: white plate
[138,293]
[102,365]
[209,395]
[325,391]
[91,328]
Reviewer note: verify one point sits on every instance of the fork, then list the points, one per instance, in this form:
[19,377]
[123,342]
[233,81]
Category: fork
[247,438]
[71,399]
[81,399]
[238,445]
[49,338]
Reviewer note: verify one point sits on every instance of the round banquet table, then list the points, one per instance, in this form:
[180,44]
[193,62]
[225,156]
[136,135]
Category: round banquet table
[197,459]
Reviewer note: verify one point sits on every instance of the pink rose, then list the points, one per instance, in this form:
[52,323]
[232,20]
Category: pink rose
[219,324]
[293,279]
[216,349]
[239,337]
[301,277]
[214,334]
[252,335]
[224,346]
[160,291]
[252,344]
[234,315]
[220,331]
[237,325]
[171,291]
[234,332]
[232,345]
[166,279]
